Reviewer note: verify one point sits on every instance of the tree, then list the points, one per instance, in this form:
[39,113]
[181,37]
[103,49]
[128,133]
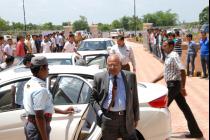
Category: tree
[81,24]
[125,22]
[204,16]
[47,26]
[116,24]
[104,27]
[66,23]
[17,26]
[161,18]
[132,23]
[4,25]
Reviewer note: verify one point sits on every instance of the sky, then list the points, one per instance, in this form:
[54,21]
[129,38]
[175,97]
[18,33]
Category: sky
[96,11]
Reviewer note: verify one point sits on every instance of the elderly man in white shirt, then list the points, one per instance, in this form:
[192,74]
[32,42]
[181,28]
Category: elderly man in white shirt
[125,52]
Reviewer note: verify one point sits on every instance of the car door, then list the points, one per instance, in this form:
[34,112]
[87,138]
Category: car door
[75,91]
[12,119]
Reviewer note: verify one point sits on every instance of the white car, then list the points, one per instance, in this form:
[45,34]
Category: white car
[96,44]
[116,32]
[72,86]
[91,58]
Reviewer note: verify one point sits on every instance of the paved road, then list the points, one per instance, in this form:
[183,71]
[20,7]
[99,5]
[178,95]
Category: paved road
[149,67]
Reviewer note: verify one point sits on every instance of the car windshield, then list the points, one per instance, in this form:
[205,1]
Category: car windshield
[93,45]
[60,61]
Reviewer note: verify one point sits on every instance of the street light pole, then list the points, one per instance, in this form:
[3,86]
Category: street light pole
[24,14]
[135,16]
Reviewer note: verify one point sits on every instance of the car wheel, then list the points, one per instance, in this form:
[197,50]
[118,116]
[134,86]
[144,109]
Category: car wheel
[139,135]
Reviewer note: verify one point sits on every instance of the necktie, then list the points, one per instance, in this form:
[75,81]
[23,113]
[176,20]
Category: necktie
[114,92]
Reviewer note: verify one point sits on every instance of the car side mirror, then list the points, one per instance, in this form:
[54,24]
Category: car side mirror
[109,49]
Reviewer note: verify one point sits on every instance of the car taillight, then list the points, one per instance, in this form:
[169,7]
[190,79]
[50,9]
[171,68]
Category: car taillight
[160,102]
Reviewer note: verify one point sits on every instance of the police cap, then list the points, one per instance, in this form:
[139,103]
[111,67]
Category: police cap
[39,61]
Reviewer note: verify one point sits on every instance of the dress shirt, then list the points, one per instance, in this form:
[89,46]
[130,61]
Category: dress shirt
[120,99]
[126,54]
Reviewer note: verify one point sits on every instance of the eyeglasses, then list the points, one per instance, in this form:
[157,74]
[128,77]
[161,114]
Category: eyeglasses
[112,66]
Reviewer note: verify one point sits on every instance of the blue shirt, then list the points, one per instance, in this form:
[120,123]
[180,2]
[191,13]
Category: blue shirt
[192,47]
[204,47]
[120,100]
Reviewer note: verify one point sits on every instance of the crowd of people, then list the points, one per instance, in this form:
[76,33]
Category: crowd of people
[156,38]
[32,44]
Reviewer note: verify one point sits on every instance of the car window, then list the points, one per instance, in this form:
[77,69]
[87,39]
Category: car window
[11,96]
[99,61]
[85,94]
[92,45]
[59,61]
[71,90]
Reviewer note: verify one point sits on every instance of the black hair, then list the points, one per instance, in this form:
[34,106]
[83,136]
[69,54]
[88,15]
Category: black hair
[9,59]
[71,35]
[190,36]
[27,58]
[177,33]
[35,69]
[171,43]
[121,37]
[1,38]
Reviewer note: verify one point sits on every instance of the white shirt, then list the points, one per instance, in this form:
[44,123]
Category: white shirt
[53,40]
[69,47]
[46,46]
[173,67]
[8,50]
[126,54]
[37,97]
[33,47]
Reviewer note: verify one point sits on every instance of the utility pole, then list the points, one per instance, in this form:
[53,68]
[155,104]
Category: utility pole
[135,16]
[24,14]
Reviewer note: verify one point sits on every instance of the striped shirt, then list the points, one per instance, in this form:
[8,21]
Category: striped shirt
[177,47]
[173,67]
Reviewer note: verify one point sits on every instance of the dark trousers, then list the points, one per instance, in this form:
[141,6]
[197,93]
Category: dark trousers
[205,63]
[116,128]
[190,60]
[174,94]
[32,132]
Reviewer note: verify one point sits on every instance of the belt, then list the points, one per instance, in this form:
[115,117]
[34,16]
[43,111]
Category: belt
[48,118]
[114,113]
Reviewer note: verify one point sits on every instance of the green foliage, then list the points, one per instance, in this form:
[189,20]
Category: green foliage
[81,24]
[116,24]
[204,16]
[161,18]
[4,25]
[104,27]
[17,26]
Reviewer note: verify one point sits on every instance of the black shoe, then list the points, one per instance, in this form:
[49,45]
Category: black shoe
[203,77]
[194,136]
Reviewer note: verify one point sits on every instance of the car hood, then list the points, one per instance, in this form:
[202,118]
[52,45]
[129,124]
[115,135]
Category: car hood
[148,92]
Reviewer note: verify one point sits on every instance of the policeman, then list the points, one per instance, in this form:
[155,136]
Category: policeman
[125,52]
[38,102]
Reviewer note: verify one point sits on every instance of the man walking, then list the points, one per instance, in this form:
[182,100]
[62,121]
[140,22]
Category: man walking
[125,52]
[175,77]
[38,102]
[115,99]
